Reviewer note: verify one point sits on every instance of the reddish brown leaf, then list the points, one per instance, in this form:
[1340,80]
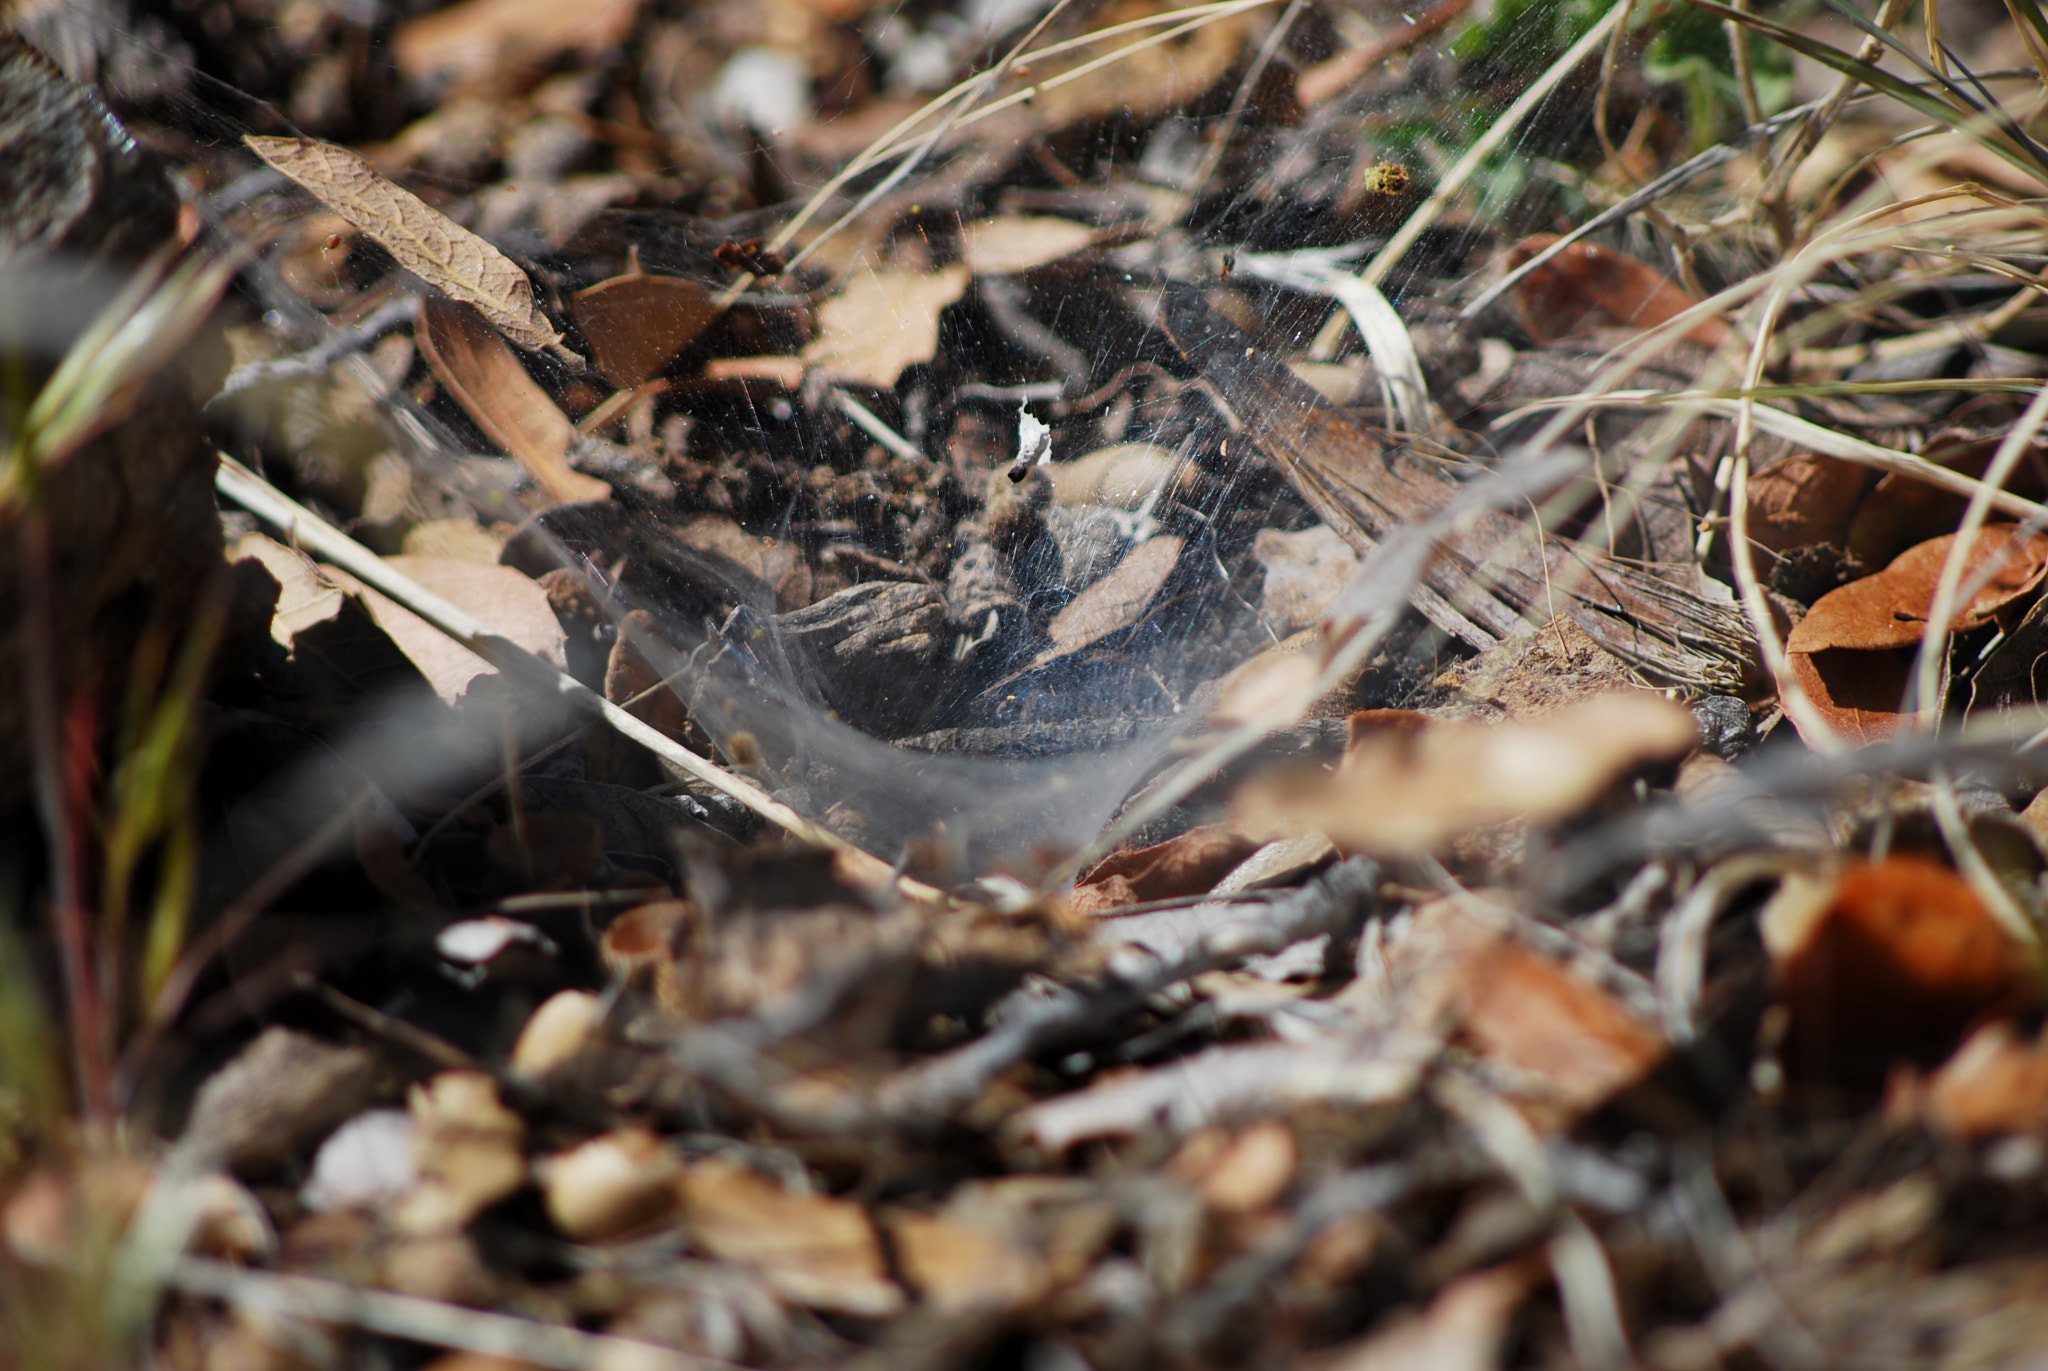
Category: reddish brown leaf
[1587,283]
[1889,960]
[1574,1044]
[1188,864]
[1803,500]
[506,403]
[1857,693]
[636,324]
[1890,608]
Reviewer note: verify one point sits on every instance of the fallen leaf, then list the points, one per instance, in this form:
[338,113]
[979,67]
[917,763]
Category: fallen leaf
[467,1151]
[1888,960]
[636,324]
[1115,602]
[1121,476]
[1901,511]
[423,240]
[508,603]
[1149,81]
[557,1032]
[1802,500]
[1186,864]
[882,322]
[1857,693]
[1996,1083]
[1277,675]
[1567,1046]
[1565,293]
[1411,783]
[994,247]
[611,1185]
[477,37]
[305,596]
[1242,1174]
[814,1250]
[1465,1328]
[495,390]
[959,1266]
[1889,609]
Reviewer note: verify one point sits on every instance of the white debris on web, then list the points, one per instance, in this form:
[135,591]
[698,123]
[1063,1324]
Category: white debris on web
[1034,443]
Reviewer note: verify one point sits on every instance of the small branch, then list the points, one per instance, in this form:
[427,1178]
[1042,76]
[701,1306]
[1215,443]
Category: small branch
[324,354]
[424,1321]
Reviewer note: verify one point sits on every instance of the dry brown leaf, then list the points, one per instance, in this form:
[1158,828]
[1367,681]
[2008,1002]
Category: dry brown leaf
[1889,960]
[1585,281]
[1120,475]
[1996,1083]
[467,1150]
[1018,243]
[960,1266]
[1857,693]
[1148,82]
[424,241]
[495,390]
[636,324]
[1116,601]
[1243,1174]
[509,604]
[1567,1046]
[1465,1327]
[1889,609]
[882,322]
[814,1250]
[306,597]
[1186,864]
[611,1185]
[1901,512]
[1804,500]
[1411,784]
[477,37]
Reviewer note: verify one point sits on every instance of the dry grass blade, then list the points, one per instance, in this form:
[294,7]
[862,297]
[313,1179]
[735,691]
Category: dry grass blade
[425,241]
[525,670]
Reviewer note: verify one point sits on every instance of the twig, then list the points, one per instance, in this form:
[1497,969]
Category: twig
[526,671]
[423,1321]
[1330,904]
[324,354]
[924,1096]
[377,1023]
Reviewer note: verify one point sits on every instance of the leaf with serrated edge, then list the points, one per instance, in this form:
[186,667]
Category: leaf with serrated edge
[424,241]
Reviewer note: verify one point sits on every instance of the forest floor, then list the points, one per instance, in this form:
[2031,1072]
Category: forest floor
[1043,684]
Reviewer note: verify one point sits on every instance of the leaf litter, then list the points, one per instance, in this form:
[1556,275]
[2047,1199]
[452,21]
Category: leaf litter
[1060,756]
